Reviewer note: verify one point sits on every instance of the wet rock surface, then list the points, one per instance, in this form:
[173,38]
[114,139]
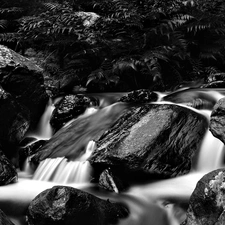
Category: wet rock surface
[217,120]
[68,206]
[70,107]
[8,173]
[24,80]
[139,96]
[14,122]
[159,139]
[4,220]
[110,181]
[207,202]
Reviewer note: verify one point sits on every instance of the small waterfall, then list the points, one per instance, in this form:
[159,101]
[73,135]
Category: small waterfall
[44,130]
[62,171]
[211,154]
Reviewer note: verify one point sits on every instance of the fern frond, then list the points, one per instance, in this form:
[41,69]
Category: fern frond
[52,6]
[95,76]
[11,10]
[3,24]
[197,66]
[9,37]
[197,26]
[211,70]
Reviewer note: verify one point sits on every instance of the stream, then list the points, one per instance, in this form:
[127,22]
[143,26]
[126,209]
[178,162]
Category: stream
[161,202]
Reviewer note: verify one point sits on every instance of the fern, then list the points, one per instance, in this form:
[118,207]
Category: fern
[9,37]
[52,6]
[3,24]
[12,12]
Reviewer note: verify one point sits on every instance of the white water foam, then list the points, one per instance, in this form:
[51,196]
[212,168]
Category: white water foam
[66,172]
[211,154]
[44,130]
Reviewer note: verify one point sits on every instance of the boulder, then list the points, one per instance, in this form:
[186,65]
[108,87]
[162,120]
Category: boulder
[217,120]
[4,220]
[68,206]
[8,173]
[24,80]
[154,138]
[139,96]
[29,149]
[71,141]
[70,107]
[207,202]
[110,181]
[14,122]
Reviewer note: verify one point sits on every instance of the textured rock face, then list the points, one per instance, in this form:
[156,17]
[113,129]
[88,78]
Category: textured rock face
[207,202]
[217,120]
[24,80]
[68,206]
[7,171]
[139,96]
[14,122]
[4,220]
[153,138]
[70,107]
[110,181]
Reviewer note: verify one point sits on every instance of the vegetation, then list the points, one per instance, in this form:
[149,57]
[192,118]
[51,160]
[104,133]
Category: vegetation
[120,44]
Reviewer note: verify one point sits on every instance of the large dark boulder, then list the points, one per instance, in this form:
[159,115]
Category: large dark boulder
[14,122]
[70,107]
[8,173]
[71,141]
[155,138]
[24,80]
[217,120]
[63,205]
[207,202]
[4,220]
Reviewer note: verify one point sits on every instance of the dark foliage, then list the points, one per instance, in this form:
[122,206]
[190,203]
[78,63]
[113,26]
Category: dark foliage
[160,43]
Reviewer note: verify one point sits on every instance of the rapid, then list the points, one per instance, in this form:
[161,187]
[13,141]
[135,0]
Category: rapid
[159,202]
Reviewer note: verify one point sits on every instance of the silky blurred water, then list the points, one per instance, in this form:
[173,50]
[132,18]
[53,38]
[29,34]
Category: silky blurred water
[162,202]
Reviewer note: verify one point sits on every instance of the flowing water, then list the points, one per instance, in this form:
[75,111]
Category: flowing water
[161,202]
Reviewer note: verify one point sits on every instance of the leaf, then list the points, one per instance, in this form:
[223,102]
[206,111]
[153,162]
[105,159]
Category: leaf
[3,24]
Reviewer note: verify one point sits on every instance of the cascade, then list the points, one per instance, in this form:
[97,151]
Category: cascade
[62,171]
[44,130]
[147,202]
[211,154]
